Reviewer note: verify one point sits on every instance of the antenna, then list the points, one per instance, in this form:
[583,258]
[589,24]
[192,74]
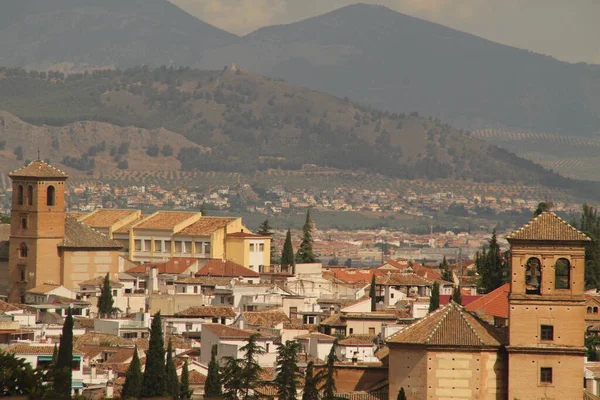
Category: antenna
[39,158]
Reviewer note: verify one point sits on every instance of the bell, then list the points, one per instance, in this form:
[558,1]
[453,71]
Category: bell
[534,279]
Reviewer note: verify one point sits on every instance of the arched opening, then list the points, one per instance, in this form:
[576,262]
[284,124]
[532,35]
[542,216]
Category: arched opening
[595,310]
[533,276]
[562,274]
[30,195]
[20,195]
[50,198]
[23,250]
[589,310]
[23,223]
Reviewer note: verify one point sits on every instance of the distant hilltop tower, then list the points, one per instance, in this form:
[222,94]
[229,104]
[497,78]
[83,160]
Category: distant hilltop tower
[233,67]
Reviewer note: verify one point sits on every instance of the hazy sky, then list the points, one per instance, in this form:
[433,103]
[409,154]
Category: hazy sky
[566,29]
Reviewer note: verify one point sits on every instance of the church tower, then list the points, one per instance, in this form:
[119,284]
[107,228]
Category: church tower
[546,310]
[37,227]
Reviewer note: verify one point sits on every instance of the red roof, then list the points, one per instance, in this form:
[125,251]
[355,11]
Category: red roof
[176,265]
[465,299]
[495,303]
[422,271]
[243,234]
[356,275]
[217,267]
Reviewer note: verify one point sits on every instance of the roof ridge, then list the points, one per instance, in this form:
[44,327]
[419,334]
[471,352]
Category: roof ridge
[460,309]
[539,217]
[439,323]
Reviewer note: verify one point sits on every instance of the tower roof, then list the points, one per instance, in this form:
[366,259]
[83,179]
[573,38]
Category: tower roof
[38,169]
[549,227]
[451,325]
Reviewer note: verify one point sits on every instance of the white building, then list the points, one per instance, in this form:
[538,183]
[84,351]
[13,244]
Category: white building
[230,340]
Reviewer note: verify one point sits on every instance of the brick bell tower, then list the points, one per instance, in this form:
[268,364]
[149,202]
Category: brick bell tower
[37,227]
[546,310]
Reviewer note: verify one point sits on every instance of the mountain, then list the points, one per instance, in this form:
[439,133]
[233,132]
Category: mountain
[42,33]
[235,121]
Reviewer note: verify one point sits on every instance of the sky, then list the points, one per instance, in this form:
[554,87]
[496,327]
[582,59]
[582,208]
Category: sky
[565,29]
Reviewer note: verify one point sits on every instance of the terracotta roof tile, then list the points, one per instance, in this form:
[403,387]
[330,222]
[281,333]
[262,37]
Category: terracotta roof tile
[409,279]
[207,311]
[176,265]
[230,332]
[451,325]
[247,235]
[99,281]
[205,281]
[164,220]
[121,356]
[38,169]
[44,288]
[548,226]
[216,267]
[265,319]
[105,218]
[371,315]
[495,303]
[205,226]
[317,335]
[8,307]
[196,378]
[358,340]
[22,348]
[333,320]
[125,228]
[79,235]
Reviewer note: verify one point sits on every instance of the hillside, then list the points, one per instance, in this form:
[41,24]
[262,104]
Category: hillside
[42,33]
[246,122]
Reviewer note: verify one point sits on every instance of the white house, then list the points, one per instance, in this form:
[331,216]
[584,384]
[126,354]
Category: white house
[189,322]
[316,344]
[230,340]
[357,348]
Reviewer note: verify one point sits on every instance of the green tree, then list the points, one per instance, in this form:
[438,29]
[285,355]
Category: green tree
[232,384]
[590,225]
[434,300]
[401,394]
[172,382]
[542,207]
[456,295]
[287,254]
[212,387]
[203,211]
[287,369]
[491,265]
[18,378]
[265,229]
[329,378]
[305,252]
[445,270]
[132,388]
[106,301]
[373,294]
[312,382]
[185,393]
[250,368]
[154,381]
[63,373]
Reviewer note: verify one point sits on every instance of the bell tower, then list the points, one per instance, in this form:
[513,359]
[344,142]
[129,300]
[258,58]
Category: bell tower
[37,227]
[546,310]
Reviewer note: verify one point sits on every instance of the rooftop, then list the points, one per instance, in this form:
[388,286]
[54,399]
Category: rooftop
[402,279]
[206,226]
[104,218]
[99,281]
[229,332]
[548,226]
[22,348]
[207,311]
[176,265]
[164,220]
[265,319]
[44,288]
[218,267]
[495,303]
[358,340]
[243,234]
[80,235]
[38,169]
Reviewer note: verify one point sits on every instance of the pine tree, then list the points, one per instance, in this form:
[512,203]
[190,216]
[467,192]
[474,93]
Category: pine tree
[154,381]
[434,300]
[212,387]
[456,295]
[63,373]
[305,252]
[401,394]
[232,384]
[184,386]
[287,255]
[105,301]
[329,386]
[312,382]
[250,373]
[287,369]
[373,294]
[265,229]
[491,266]
[132,387]
[172,382]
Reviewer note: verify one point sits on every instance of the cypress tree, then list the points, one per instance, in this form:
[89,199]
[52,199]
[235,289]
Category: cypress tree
[105,301]
[63,373]
[312,382]
[305,251]
[287,369]
[401,394]
[184,386]
[212,387]
[445,271]
[491,266]
[456,295]
[329,386]
[434,300]
[287,255]
[55,354]
[154,381]
[133,378]
[373,294]
[172,382]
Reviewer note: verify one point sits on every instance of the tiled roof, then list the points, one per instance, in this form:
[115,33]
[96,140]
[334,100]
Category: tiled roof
[8,307]
[106,217]
[38,169]
[164,220]
[451,325]
[80,235]
[333,320]
[176,265]
[196,378]
[495,303]
[371,315]
[247,235]
[265,319]
[358,340]
[466,299]
[205,281]
[317,335]
[44,288]
[356,275]
[97,339]
[207,311]
[408,279]
[205,226]
[99,281]
[125,228]
[548,226]
[229,332]
[22,348]
[122,355]
[217,267]
[86,323]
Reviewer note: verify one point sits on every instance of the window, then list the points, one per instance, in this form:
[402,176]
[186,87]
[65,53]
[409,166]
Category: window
[128,291]
[223,320]
[589,310]
[546,375]
[268,346]
[371,331]
[595,310]
[158,246]
[351,331]
[533,276]
[137,245]
[261,247]
[22,273]
[547,332]
[195,289]
[207,248]
[562,274]
[178,246]
[189,327]
[30,195]
[147,244]
[183,289]
[391,295]
[20,194]
[167,246]
[76,365]
[215,320]
[114,292]
[23,250]
[251,246]
[222,299]
[188,247]
[23,222]
[50,196]
[198,247]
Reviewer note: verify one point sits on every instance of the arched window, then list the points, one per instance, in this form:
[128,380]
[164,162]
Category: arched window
[30,195]
[20,195]
[24,223]
[595,310]
[562,274]
[533,276]
[589,310]
[50,198]
[23,250]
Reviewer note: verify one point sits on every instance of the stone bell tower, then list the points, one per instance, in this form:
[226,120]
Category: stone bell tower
[37,227]
[546,310]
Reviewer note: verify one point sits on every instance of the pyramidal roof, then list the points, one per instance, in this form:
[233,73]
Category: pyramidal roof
[548,226]
[451,325]
[38,169]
